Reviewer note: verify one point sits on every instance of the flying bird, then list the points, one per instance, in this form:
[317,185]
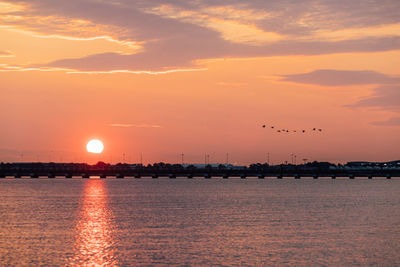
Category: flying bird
[287,131]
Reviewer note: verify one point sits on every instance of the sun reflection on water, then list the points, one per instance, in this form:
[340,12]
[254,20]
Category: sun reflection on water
[95,240]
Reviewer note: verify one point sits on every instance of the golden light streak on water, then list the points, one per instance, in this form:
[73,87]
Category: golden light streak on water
[95,240]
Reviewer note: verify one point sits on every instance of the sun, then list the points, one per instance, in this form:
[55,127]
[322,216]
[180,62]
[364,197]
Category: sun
[95,146]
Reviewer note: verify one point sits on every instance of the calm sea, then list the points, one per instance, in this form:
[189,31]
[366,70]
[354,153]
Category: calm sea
[60,222]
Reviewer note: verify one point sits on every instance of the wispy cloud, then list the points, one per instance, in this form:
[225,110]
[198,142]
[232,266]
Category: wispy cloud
[6,8]
[6,53]
[135,72]
[184,53]
[236,29]
[329,77]
[128,125]
[390,122]
[385,97]
[11,68]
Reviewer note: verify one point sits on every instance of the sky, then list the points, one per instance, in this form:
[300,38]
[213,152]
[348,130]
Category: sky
[195,77]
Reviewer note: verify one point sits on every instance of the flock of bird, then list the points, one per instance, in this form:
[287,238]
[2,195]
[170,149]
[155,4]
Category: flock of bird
[287,131]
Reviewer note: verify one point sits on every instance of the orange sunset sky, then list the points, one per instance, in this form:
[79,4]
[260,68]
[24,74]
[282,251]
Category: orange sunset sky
[199,77]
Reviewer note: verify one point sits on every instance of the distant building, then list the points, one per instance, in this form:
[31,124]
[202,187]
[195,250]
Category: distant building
[360,164]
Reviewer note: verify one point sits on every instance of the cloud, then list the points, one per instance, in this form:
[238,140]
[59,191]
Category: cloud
[385,97]
[116,61]
[70,71]
[341,77]
[390,122]
[9,68]
[43,48]
[128,125]
[233,24]
[6,8]
[174,34]
[6,53]
[184,53]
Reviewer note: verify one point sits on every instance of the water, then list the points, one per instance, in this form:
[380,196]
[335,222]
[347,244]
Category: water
[60,222]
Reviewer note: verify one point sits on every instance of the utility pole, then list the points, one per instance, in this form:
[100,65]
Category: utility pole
[206,159]
[183,156]
[227,158]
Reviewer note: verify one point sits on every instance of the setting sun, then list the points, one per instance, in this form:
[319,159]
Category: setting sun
[95,146]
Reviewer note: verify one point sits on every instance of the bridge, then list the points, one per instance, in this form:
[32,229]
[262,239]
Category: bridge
[55,170]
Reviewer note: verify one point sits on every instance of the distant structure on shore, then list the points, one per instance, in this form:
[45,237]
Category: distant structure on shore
[312,169]
[161,165]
